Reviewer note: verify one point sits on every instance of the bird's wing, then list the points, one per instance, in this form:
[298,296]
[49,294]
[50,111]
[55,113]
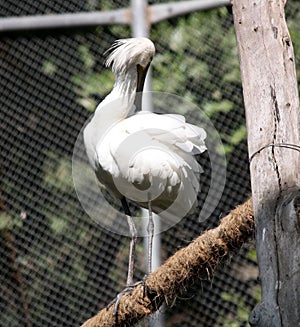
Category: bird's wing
[147,142]
[170,129]
[139,132]
[153,152]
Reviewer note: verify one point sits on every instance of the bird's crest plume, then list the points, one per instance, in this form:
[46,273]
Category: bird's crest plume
[125,53]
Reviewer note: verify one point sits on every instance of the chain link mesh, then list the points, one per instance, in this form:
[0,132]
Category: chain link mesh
[57,267]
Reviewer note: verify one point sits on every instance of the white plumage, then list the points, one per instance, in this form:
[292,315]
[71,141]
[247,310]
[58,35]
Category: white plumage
[145,157]
[159,149]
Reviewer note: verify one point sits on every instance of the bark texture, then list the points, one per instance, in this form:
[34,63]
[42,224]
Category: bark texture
[272,114]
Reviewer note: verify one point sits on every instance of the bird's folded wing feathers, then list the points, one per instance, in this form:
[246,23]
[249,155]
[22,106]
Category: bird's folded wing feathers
[168,134]
[170,129]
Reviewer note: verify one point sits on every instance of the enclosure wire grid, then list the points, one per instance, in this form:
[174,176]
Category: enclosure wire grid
[58,267]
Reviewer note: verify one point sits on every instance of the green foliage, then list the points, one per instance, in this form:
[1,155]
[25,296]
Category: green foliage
[252,255]
[92,82]
[49,67]
[256,293]
[293,22]
[58,224]
[231,64]
[58,172]
[234,139]
[240,317]
[87,58]
[8,221]
[213,107]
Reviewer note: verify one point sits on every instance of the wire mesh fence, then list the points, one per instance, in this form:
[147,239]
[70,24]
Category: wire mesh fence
[57,266]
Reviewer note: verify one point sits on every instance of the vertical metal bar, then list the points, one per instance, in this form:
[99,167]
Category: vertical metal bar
[140,26]
[138,18]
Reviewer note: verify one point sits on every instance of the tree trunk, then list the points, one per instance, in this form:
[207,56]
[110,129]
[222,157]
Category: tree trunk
[272,114]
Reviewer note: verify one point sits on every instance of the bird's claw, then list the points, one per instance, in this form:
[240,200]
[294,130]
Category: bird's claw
[116,300]
[143,282]
[127,289]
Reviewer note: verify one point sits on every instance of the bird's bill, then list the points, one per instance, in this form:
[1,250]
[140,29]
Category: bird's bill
[141,76]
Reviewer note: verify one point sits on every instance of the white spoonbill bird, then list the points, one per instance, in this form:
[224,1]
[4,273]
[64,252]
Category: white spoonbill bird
[145,157]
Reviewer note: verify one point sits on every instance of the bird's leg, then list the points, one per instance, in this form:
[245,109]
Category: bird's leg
[133,241]
[133,233]
[150,231]
[131,250]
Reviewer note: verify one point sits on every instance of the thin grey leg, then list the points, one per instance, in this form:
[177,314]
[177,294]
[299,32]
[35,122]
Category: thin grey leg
[129,283]
[150,231]
[133,241]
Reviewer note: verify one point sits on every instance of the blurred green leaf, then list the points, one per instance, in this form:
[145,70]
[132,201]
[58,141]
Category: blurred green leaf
[93,84]
[225,296]
[256,293]
[230,58]
[49,67]
[227,148]
[213,107]
[57,224]
[58,172]
[7,221]
[252,255]
[86,56]
[239,135]
[229,141]
[238,318]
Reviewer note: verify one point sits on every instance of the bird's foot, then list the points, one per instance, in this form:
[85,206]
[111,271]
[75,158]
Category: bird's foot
[127,289]
[116,300]
[143,282]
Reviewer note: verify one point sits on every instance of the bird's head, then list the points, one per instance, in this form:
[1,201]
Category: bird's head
[128,54]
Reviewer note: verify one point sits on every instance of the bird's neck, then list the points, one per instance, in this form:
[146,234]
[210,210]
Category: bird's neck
[118,104]
[114,108]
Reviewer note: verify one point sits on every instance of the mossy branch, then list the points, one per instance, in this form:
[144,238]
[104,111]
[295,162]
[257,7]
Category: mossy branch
[183,269]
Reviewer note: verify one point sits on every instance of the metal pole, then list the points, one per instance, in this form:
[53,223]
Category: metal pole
[155,13]
[63,21]
[168,10]
[140,25]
